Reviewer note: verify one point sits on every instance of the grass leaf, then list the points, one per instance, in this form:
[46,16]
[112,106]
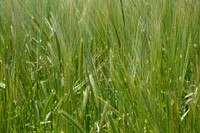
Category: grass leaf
[71,120]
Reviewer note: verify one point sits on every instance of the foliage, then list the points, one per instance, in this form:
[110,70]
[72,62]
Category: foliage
[99,65]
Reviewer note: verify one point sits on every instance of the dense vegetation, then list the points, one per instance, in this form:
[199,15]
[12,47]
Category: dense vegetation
[99,66]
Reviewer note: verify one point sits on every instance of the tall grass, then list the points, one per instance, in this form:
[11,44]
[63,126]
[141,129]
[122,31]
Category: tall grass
[99,66]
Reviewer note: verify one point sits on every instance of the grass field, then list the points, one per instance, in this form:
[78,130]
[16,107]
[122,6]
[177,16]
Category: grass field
[121,66]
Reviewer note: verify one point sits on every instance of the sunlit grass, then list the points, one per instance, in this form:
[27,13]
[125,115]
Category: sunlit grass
[99,66]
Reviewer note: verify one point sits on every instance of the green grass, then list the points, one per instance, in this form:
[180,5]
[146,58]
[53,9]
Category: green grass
[99,66]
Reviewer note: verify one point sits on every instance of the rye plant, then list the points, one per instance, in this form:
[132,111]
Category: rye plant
[99,66]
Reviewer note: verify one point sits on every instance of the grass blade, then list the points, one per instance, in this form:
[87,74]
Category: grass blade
[105,110]
[71,120]
[49,101]
[112,124]
[94,90]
